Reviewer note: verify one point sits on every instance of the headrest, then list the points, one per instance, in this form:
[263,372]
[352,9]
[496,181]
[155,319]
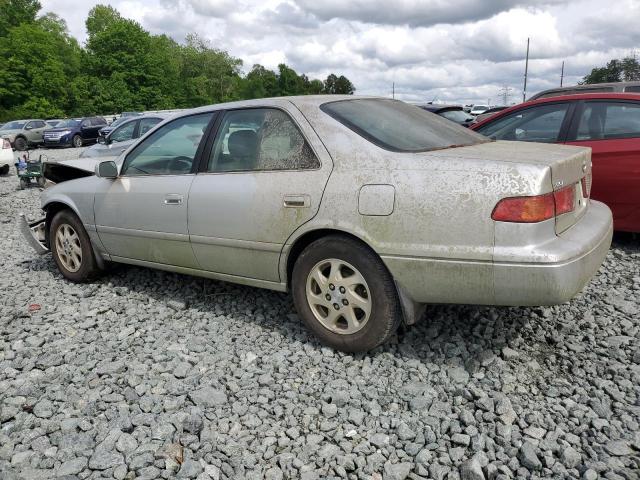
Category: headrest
[243,143]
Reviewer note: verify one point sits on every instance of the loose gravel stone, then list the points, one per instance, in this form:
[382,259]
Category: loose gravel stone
[152,375]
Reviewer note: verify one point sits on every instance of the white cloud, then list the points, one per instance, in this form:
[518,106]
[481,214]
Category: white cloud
[464,50]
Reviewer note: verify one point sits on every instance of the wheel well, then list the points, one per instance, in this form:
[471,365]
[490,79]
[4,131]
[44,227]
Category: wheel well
[51,209]
[307,239]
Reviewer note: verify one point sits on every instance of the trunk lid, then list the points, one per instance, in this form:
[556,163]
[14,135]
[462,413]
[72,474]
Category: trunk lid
[570,168]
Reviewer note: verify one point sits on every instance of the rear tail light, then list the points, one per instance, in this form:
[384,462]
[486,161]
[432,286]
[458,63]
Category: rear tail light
[5,143]
[535,208]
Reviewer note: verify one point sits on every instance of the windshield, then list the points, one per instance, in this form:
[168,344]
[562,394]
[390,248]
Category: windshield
[14,126]
[68,123]
[459,116]
[120,120]
[400,127]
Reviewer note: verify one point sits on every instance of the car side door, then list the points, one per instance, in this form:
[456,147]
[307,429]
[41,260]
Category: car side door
[34,130]
[612,129]
[262,178]
[141,216]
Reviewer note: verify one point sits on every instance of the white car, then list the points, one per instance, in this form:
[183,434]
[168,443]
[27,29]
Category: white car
[479,109]
[6,156]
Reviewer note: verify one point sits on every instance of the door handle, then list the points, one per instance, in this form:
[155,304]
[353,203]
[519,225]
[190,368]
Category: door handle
[173,199]
[297,201]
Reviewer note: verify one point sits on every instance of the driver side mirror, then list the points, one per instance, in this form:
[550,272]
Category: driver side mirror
[28,127]
[102,140]
[107,169]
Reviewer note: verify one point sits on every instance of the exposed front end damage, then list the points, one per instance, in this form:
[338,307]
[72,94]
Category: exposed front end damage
[58,172]
[34,233]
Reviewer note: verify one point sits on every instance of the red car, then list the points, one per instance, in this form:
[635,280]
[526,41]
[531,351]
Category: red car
[609,123]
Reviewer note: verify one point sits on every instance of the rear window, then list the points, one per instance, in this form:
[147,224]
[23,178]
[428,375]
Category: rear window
[400,127]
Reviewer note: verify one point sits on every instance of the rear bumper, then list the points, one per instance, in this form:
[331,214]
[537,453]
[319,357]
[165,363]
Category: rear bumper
[550,273]
[556,282]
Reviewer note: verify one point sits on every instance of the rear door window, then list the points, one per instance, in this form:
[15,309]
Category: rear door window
[542,123]
[260,139]
[609,120]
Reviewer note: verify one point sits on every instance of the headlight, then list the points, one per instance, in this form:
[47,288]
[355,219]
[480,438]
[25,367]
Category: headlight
[65,132]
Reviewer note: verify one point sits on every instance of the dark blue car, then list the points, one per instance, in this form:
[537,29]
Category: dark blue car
[74,132]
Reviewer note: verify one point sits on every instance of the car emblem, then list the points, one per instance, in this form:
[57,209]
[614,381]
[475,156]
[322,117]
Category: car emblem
[559,184]
[584,167]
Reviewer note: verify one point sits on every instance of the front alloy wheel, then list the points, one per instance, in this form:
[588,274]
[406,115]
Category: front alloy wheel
[69,248]
[338,296]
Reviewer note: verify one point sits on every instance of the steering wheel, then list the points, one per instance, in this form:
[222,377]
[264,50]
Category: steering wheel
[180,164]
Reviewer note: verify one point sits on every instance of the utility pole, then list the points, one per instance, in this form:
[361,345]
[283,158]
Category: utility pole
[526,70]
[393,90]
[505,93]
[562,73]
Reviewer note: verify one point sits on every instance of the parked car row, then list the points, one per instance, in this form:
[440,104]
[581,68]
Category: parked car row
[75,132]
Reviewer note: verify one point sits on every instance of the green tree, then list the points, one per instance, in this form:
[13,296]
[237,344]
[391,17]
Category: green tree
[100,17]
[615,71]
[24,83]
[207,75]
[338,85]
[260,83]
[17,12]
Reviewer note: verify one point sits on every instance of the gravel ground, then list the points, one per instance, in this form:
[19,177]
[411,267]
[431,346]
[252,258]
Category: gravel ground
[145,374]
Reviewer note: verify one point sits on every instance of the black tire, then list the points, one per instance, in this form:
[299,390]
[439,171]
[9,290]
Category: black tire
[23,183]
[88,268]
[20,144]
[76,141]
[4,170]
[385,314]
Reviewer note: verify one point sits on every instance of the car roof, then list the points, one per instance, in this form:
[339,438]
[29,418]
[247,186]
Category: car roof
[618,87]
[316,100]
[560,98]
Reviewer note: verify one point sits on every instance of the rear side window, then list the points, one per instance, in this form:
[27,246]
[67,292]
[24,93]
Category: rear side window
[609,120]
[535,124]
[260,139]
[398,126]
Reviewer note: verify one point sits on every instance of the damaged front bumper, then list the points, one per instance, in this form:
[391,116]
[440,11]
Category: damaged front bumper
[34,233]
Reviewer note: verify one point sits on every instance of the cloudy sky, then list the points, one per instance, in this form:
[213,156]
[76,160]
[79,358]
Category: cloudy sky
[443,50]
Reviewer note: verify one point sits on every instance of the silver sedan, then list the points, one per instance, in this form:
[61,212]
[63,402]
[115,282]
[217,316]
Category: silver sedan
[366,209]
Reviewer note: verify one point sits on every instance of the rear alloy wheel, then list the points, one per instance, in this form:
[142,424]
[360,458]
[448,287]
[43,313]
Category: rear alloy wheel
[345,294]
[77,141]
[71,247]
[20,144]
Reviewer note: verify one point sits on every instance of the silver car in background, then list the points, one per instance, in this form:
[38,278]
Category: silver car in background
[366,209]
[123,136]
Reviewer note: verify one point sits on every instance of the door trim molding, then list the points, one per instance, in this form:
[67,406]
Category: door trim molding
[130,232]
[231,242]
